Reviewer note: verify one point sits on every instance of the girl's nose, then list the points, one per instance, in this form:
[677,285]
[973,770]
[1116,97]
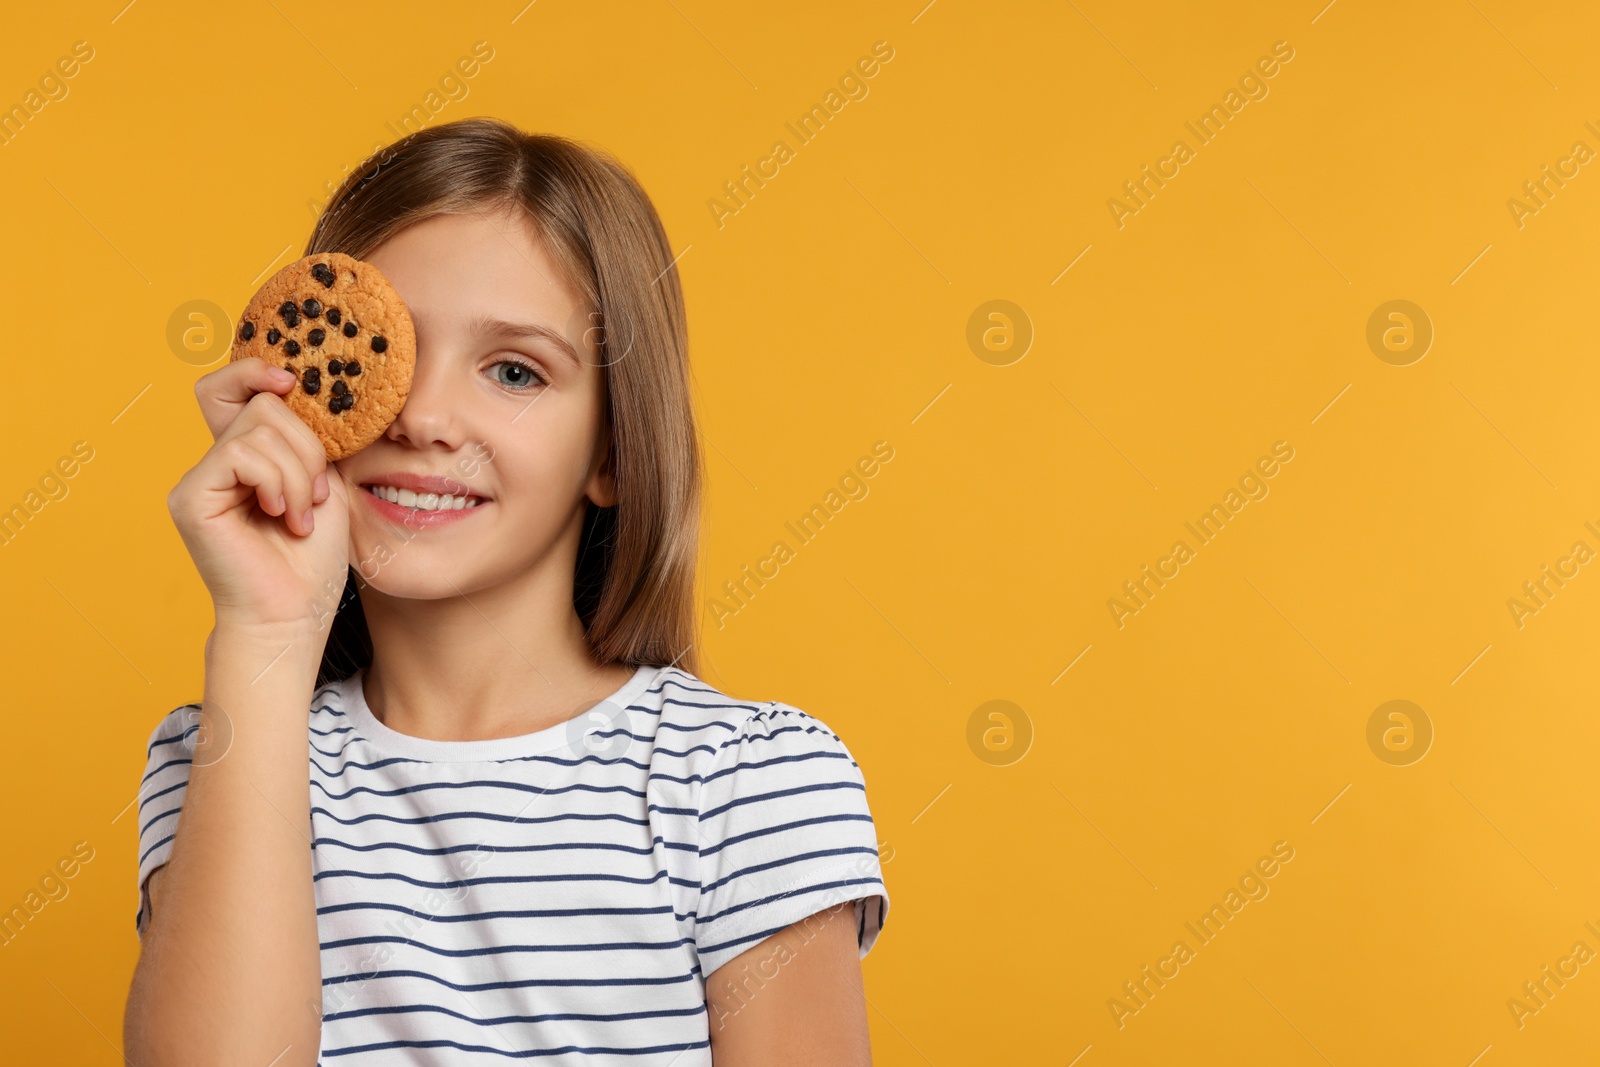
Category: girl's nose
[431,413]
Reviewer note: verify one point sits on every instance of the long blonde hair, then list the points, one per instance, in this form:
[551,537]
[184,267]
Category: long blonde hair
[633,585]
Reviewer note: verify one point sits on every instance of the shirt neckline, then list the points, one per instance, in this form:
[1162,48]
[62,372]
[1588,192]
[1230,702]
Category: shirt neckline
[562,734]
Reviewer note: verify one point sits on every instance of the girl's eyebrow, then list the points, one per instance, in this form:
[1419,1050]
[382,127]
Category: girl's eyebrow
[490,326]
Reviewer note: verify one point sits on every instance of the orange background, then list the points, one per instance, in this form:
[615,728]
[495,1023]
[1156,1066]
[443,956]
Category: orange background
[832,311]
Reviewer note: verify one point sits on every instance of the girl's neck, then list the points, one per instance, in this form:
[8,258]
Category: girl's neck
[470,667]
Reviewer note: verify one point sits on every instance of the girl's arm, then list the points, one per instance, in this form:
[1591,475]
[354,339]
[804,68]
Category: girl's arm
[794,999]
[230,969]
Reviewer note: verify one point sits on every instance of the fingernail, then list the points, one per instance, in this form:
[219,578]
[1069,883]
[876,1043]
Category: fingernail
[282,375]
[307,521]
[280,505]
[319,487]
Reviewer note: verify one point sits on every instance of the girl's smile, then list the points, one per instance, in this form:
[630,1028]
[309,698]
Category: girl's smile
[422,501]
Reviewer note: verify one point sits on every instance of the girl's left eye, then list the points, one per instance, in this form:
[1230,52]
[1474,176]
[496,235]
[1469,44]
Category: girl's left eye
[522,376]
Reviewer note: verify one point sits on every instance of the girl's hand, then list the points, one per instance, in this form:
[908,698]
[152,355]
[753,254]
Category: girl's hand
[264,515]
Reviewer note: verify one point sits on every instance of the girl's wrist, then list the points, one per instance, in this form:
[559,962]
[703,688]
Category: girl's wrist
[243,641]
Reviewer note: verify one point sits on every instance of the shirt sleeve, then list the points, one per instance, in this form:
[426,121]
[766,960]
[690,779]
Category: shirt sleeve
[166,777]
[785,832]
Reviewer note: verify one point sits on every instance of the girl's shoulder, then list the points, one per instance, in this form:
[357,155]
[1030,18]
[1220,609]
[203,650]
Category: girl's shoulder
[728,732]
[685,702]
[175,730]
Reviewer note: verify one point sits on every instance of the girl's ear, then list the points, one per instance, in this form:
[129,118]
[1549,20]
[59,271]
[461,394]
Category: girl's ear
[603,486]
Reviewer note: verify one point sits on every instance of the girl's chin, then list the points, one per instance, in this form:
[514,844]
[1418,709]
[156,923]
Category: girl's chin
[393,582]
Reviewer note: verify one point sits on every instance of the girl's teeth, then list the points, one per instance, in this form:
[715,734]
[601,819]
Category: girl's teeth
[423,501]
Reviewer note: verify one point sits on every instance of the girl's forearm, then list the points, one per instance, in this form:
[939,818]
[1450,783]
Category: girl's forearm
[230,970]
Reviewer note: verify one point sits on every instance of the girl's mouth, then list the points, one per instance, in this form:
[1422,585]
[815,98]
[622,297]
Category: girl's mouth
[415,510]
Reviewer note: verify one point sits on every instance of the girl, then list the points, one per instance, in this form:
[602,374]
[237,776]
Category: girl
[531,831]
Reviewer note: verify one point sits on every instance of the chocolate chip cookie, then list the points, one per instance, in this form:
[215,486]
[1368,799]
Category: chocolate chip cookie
[340,327]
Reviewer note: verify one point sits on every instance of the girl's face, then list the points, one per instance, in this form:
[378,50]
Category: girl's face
[507,404]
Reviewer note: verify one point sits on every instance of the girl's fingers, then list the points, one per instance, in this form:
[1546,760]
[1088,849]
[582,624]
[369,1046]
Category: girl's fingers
[224,392]
[237,463]
[267,412]
[313,457]
[294,482]
[242,405]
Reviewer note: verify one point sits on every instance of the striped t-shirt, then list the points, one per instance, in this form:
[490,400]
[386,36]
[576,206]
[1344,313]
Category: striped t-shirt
[560,896]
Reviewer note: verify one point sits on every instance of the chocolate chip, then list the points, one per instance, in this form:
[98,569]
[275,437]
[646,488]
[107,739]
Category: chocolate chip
[247,331]
[334,405]
[334,366]
[290,313]
[333,316]
[312,381]
[291,347]
[379,344]
[273,336]
[311,307]
[323,273]
[349,329]
[315,337]
[339,388]
[352,368]
[347,402]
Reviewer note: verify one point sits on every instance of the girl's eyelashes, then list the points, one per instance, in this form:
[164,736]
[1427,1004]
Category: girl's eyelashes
[525,376]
